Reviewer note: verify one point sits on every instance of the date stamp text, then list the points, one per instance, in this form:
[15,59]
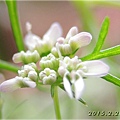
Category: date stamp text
[103,113]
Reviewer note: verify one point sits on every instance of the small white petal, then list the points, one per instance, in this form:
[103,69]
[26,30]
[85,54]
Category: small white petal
[29,83]
[67,86]
[95,68]
[31,40]
[73,31]
[9,85]
[53,33]
[79,86]
[62,70]
[60,40]
[82,39]
[28,27]
[16,83]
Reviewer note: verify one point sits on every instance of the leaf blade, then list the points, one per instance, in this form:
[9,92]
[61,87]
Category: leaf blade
[102,35]
[113,79]
[103,53]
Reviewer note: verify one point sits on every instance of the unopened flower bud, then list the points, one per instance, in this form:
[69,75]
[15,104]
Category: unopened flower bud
[22,73]
[50,61]
[48,76]
[32,75]
[26,57]
[65,49]
[34,66]
[17,57]
[55,52]
[29,71]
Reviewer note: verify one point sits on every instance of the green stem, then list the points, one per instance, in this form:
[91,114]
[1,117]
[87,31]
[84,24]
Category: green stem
[103,53]
[113,79]
[8,66]
[56,103]
[14,20]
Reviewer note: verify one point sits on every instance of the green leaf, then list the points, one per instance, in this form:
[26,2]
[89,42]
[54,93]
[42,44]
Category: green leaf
[113,79]
[14,20]
[102,35]
[8,66]
[103,53]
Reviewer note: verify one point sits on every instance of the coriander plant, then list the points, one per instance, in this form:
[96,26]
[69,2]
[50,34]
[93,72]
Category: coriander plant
[51,59]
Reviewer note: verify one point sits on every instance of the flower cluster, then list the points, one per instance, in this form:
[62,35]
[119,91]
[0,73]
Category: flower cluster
[56,58]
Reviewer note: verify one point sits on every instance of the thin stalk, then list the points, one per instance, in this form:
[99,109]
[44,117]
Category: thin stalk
[103,53]
[14,20]
[8,66]
[113,79]
[56,103]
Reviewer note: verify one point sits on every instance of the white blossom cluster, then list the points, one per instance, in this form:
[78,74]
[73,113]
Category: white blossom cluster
[56,58]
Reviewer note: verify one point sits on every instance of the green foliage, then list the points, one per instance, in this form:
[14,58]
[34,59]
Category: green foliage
[102,35]
[98,53]
[113,79]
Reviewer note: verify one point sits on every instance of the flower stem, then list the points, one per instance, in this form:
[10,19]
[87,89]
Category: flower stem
[103,53]
[8,66]
[14,20]
[56,103]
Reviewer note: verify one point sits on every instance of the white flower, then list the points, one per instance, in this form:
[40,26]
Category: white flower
[72,42]
[16,83]
[73,82]
[44,45]
[27,78]
[74,71]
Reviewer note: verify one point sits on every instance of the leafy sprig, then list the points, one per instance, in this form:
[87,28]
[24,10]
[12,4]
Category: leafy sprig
[98,53]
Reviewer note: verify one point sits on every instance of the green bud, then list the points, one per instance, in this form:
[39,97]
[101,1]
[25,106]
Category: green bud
[50,61]
[32,75]
[48,76]
[29,71]
[26,57]
[55,52]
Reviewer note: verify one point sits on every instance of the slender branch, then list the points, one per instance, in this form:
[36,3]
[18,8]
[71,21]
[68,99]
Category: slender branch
[14,20]
[103,53]
[56,103]
[8,66]
[113,79]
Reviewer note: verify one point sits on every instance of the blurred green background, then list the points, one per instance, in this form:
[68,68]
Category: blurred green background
[99,94]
